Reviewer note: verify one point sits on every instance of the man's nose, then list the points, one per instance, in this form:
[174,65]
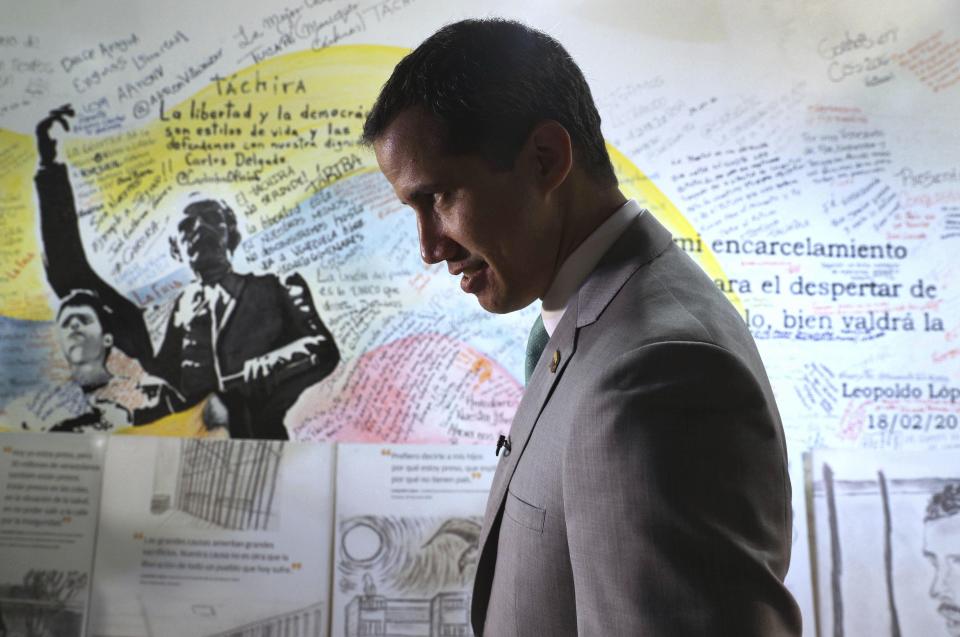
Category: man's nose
[435,245]
[939,584]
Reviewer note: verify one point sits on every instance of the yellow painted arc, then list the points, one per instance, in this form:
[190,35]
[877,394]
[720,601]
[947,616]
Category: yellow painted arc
[23,288]
[636,185]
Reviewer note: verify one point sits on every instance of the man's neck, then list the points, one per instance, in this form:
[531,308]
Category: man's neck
[585,209]
[90,376]
[214,274]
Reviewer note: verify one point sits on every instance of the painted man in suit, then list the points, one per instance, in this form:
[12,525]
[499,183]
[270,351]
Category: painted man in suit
[250,342]
[643,489]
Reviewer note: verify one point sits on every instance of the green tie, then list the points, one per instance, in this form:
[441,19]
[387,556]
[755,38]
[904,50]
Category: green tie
[535,344]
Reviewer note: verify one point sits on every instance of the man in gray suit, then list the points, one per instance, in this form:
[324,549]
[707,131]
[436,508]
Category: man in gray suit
[643,488]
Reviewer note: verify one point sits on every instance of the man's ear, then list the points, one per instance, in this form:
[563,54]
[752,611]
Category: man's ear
[553,153]
[108,340]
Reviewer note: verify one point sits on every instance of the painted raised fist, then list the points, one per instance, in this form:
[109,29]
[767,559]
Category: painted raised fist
[46,145]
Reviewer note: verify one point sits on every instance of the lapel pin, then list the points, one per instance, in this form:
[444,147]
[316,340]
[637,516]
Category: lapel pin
[555,362]
[504,443]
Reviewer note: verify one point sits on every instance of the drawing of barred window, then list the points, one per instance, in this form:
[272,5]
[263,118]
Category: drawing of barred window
[226,483]
[305,622]
[42,602]
[233,615]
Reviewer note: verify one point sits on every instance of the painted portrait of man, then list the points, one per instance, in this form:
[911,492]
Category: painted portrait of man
[941,545]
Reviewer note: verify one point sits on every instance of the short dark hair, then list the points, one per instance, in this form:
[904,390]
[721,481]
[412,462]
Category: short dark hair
[88,298]
[490,82]
[944,504]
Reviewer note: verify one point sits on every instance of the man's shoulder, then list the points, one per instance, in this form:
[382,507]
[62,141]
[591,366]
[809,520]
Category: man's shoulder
[669,298]
[241,283]
[646,289]
[269,281]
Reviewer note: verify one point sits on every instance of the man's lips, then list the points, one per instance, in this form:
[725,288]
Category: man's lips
[473,277]
[950,611]
[467,268]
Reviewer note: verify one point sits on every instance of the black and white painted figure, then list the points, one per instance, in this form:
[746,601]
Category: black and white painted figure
[85,334]
[269,341]
[251,342]
[95,398]
[83,338]
[941,545]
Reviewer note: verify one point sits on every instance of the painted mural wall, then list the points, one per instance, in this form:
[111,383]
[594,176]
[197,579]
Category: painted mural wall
[806,155]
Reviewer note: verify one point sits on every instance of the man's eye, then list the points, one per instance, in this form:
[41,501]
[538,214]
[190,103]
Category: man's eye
[426,200]
[439,199]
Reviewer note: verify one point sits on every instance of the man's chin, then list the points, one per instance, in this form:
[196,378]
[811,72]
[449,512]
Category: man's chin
[951,614]
[490,307]
[492,294]
[499,305]
[75,355]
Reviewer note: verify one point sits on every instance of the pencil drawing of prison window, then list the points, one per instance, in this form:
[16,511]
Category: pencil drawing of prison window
[304,622]
[250,611]
[406,575]
[224,483]
[888,545]
[42,603]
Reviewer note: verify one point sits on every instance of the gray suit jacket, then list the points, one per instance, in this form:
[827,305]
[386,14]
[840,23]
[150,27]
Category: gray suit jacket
[646,490]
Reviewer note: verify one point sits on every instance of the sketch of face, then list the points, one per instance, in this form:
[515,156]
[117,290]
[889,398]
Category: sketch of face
[204,238]
[81,335]
[491,226]
[941,545]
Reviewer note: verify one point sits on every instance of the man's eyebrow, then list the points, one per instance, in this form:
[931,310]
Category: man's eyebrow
[67,315]
[425,190]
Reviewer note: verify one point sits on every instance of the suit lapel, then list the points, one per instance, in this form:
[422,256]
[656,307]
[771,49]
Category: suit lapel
[235,287]
[643,241]
[534,398]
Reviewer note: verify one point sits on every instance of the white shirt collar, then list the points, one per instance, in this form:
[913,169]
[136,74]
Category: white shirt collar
[582,261]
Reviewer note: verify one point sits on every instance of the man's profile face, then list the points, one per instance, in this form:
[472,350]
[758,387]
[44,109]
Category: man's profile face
[204,238]
[81,335]
[492,226]
[941,545]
